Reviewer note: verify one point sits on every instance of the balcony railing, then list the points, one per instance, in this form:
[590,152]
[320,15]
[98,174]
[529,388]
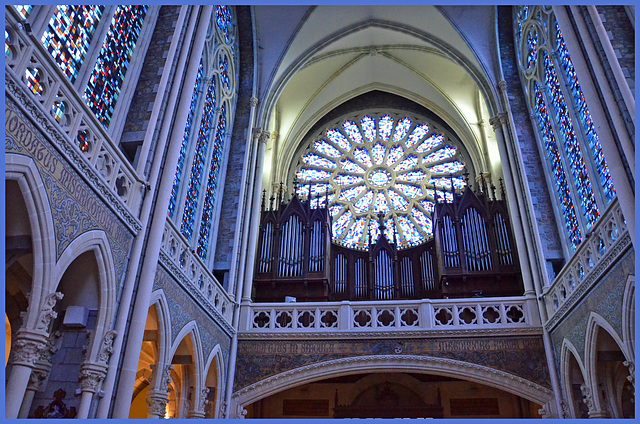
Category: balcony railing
[603,244]
[402,315]
[187,266]
[72,126]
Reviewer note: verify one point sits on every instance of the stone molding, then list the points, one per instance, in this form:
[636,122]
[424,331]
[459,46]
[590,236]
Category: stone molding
[442,366]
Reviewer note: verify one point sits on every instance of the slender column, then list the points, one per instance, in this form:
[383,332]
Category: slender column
[154,241]
[158,396]
[197,409]
[91,376]
[594,410]
[37,378]
[607,128]
[26,351]
[262,136]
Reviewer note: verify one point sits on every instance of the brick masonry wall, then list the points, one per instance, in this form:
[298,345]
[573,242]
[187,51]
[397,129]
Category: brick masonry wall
[228,218]
[152,70]
[621,34]
[531,161]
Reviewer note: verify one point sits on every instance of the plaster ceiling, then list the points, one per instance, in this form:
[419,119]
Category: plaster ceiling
[312,59]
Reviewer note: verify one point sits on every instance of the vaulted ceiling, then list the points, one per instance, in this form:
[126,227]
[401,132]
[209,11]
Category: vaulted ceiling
[312,59]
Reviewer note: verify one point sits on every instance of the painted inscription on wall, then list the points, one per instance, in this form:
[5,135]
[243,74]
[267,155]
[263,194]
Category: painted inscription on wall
[520,355]
[75,207]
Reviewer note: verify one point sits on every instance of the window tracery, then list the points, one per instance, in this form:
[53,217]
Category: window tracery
[380,164]
[574,158]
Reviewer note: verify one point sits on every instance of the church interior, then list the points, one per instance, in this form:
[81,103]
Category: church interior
[327,211]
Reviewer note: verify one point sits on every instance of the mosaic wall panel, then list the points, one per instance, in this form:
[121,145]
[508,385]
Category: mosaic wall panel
[183,309]
[74,205]
[605,298]
[519,355]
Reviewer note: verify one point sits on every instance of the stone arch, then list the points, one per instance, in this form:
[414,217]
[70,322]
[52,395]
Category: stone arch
[393,363]
[159,300]
[24,171]
[606,374]
[185,377]
[570,364]
[214,371]
[96,243]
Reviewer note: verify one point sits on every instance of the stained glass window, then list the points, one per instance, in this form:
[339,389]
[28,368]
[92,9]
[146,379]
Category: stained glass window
[212,183]
[225,23]
[223,66]
[185,143]
[108,74]
[202,145]
[69,34]
[24,10]
[563,120]
[380,163]
[8,54]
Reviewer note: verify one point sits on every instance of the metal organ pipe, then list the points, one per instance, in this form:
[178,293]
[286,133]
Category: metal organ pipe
[426,263]
[265,249]
[502,240]
[406,270]
[360,280]
[291,248]
[383,274]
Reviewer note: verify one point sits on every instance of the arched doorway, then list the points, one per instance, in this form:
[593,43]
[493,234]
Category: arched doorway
[149,355]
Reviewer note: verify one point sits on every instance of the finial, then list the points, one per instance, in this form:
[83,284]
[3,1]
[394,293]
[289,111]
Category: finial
[264,195]
[271,199]
[466,176]
[502,189]
[280,193]
[493,191]
[295,186]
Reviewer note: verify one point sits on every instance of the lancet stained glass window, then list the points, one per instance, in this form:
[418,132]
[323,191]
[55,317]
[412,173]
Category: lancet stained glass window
[185,143]
[212,183]
[380,163]
[567,132]
[202,145]
[69,34]
[24,10]
[108,74]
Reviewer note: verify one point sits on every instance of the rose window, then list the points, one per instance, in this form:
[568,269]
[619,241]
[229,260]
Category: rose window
[380,166]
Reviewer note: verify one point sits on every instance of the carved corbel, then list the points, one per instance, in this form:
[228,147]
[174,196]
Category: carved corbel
[46,312]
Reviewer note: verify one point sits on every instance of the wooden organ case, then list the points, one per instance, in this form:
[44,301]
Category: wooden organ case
[471,255]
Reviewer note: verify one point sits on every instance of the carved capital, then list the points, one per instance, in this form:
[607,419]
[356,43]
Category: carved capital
[254,102]
[203,400]
[544,411]
[632,372]
[587,397]
[165,378]
[90,380]
[106,349]
[46,312]
[264,137]
[502,85]
[497,121]
[565,409]
[26,352]
[157,403]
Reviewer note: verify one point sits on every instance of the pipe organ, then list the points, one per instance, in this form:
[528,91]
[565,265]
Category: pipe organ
[470,254]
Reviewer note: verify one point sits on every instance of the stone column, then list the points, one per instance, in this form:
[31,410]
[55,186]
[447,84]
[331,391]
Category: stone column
[36,380]
[197,409]
[156,231]
[26,350]
[91,377]
[158,395]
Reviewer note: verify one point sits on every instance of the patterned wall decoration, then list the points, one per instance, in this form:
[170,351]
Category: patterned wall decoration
[183,309]
[75,207]
[605,299]
[519,355]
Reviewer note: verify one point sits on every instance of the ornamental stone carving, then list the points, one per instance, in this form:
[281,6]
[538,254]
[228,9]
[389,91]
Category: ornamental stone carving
[26,352]
[254,102]
[588,398]
[37,378]
[565,409]
[203,399]
[544,411]
[47,313]
[106,349]
[632,372]
[157,404]
[90,380]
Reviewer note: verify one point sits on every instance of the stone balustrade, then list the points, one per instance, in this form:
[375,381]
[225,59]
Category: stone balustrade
[35,80]
[399,315]
[185,264]
[603,244]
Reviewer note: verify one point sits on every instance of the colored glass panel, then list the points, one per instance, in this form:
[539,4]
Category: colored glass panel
[374,231]
[339,139]
[352,131]
[315,160]
[197,167]
[532,48]
[395,153]
[326,148]
[108,75]
[344,180]
[379,178]
[585,117]
[355,233]
[573,153]
[380,204]
[446,197]
[341,224]
[363,156]
[8,54]
[399,203]
[413,176]
[223,66]
[427,205]
[24,10]
[69,34]
[33,76]
[350,166]
[402,129]
[422,220]
[363,203]
[445,183]
[308,174]
[335,209]
[212,184]
[377,153]
[416,135]
[350,193]
[408,163]
[560,180]
[447,168]
[369,127]
[445,153]
[385,126]
[411,235]
[409,190]
[224,21]
[185,143]
[431,142]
